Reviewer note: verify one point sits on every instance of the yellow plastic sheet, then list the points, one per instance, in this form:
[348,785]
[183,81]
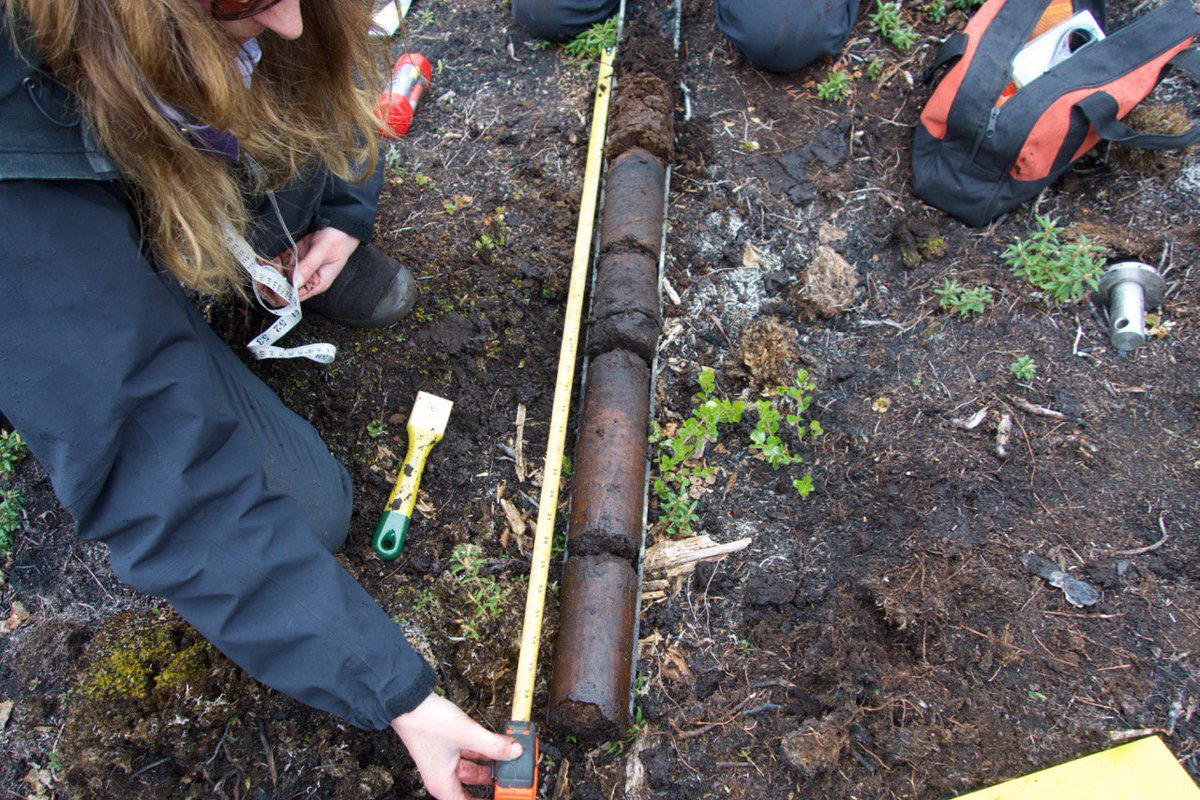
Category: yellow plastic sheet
[1141,770]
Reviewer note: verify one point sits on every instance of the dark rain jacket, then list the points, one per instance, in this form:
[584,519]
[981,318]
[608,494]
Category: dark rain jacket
[109,373]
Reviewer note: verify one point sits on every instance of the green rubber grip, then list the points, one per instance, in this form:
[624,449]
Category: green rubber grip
[390,534]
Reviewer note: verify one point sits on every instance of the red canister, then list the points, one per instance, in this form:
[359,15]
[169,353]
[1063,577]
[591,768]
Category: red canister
[394,108]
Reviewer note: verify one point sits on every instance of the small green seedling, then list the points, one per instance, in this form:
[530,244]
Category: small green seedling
[1065,271]
[588,45]
[936,11]
[487,597]
[376,428]
[457,203]
[1023,369]
[10,521]
[835,87]
[890,22]
[12,450]
[494,233]
[963,300]
[617,746]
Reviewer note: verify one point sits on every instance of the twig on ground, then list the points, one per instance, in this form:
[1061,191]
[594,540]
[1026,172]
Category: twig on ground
[262,737]
[107,593]
[520,444]
[1137,551]
[708,726]
[221,741]
[1041,411]
[1003,435]
[1131,733]
[149,767]
[972,422]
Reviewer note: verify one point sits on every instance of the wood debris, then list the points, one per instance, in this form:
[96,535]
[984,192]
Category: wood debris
[1041,411]
[972,422]
[680,556]
[519,455]
[1003,435]
[16,618]
[674,558]
[515,519]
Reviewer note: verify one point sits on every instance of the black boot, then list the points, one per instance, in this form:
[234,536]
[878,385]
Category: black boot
[372,291]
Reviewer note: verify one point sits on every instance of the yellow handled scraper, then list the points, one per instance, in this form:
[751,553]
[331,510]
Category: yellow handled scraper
[426,424]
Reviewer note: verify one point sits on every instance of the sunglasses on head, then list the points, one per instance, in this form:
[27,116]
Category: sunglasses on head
[239,9]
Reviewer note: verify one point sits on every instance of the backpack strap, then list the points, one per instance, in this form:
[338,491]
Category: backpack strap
[951,49]
[1101,111]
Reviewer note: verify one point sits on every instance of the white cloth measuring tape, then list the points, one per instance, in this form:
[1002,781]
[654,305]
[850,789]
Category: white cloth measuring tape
[263,346]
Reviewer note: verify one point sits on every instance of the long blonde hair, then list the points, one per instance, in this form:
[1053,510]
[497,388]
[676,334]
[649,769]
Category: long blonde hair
[309,102]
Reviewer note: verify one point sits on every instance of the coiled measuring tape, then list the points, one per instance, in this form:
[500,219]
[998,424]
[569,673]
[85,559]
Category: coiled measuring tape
[263,346]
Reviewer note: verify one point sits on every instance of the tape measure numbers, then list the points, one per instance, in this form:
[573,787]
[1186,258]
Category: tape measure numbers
[531,630]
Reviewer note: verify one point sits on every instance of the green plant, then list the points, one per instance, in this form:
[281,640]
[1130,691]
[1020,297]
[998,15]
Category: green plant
[678,461]
[635,729]
[963,300]
[936,11]
[376,428]
[587,46]
[10,521]
[425,15]
[787,403]
[1023,369]
[874,70]
[1065,271]
[891,24]
[12,450]
[487,598]
[835,87]
[683,474]
[393,160]
[457,203]
[493,234]
[966,5]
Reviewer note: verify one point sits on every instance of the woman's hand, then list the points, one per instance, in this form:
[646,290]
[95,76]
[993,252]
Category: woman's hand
[441,738]
[318,259]
[321,255]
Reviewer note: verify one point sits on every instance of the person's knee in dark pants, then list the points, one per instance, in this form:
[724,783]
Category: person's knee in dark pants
[558,20]
[785,35]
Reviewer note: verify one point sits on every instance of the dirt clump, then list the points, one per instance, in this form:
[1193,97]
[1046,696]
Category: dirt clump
[1164,119]
[828,285]
[919,240]
[768,348]
[817,744]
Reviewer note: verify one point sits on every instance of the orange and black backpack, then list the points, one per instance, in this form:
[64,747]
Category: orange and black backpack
[983,147]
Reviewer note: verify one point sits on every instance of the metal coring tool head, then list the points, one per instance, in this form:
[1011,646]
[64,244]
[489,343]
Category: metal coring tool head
[1128,290]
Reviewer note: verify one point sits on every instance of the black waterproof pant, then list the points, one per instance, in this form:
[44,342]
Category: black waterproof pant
[776,35]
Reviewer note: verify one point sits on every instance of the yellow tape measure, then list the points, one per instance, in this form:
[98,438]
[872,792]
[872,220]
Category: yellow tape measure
[531,631]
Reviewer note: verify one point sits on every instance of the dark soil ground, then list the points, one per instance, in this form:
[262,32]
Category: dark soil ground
[879,638]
